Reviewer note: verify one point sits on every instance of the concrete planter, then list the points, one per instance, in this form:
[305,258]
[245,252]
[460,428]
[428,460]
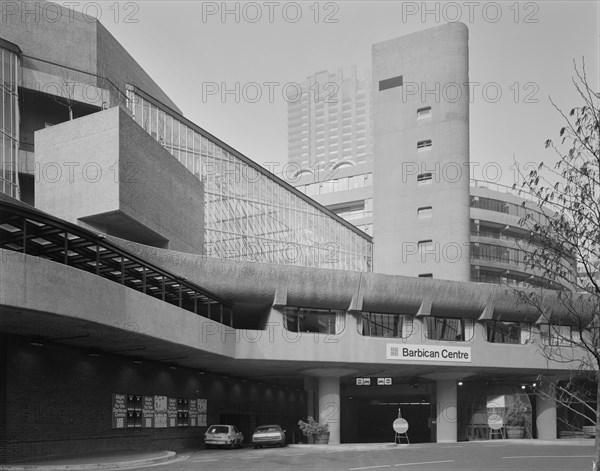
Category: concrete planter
[322,439]
[515,431]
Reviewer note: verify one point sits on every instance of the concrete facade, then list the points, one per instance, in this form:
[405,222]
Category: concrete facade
[127,185]
[100,284]
[421,195]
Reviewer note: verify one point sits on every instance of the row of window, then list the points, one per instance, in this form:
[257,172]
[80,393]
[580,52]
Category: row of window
[513,209]
[449,329]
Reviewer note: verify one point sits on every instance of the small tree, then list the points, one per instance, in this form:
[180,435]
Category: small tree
[565,241]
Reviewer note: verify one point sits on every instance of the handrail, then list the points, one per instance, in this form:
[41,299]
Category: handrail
[27,230]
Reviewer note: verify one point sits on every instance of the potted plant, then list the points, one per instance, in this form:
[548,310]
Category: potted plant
[318,432]
[515,419]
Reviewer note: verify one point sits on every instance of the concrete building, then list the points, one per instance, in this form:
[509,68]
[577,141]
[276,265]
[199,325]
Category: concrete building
[330,119]
[120,331]
[413,193]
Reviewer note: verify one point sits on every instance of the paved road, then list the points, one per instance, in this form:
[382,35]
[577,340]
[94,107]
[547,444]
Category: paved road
[468,456]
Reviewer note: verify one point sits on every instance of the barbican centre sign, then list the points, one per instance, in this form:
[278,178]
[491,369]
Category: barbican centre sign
[401,351]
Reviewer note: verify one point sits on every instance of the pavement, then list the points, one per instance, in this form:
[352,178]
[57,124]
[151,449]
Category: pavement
[142,459]
[117,460]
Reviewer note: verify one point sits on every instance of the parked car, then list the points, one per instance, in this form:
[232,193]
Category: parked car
[223,435]
[268,435]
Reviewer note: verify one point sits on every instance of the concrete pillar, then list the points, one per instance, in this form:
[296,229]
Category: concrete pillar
[546,417]
[446,411]
[329,406]
[329,398]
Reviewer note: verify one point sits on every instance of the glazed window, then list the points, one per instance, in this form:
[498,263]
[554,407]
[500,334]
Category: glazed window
[449,329]
[424,146]
[319,321]
[425,212]
[374,324]
[424,113]
[552,334]
[424,178]
[508,332]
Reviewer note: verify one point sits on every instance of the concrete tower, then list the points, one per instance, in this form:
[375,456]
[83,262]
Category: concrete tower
[421,154]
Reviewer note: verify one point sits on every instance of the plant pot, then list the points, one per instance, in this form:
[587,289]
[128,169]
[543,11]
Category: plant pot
[515,431]
[322,439]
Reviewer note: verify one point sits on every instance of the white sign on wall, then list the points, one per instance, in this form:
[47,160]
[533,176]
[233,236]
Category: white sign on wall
[402,351]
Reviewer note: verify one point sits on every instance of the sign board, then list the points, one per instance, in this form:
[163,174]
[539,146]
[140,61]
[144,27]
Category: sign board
[119,409]
[160,411]
[384,381]
[495,422]
[439,353]
[172,412]
[193,413]
[400,426]
[148,411]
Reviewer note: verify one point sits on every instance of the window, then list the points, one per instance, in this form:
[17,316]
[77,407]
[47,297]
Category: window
[424,213]
[507,332]
[320,321]
[424,113]
[424,178]
[424,146]
[449,329]
[385,325]
[425,244]
[390,83]
[552,334]
[426,275]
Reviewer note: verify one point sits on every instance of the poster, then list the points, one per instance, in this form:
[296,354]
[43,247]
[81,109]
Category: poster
[148,412]
[172,412]
[160,411]
[119,410]
[193,413]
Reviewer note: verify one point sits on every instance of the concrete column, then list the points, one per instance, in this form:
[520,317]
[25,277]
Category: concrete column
[329,398]
[446,411]
[546,417]
[329,406]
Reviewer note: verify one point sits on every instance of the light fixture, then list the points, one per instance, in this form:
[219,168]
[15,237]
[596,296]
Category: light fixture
[460,383]
[137,362]
[534,385]
[523,386]
[94,354]
[36,344]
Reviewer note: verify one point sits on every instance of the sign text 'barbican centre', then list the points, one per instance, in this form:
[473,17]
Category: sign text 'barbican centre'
[398,351]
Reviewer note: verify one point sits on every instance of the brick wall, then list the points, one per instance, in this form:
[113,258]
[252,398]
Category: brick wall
[58,402]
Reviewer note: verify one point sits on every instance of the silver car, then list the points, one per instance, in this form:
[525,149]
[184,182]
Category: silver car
[223,435]
[268,435]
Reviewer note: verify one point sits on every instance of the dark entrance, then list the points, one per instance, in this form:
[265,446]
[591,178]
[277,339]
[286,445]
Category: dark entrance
[369,420]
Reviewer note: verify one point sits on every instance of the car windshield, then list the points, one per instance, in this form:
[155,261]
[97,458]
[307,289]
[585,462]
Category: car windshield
[267,429]
[218,429]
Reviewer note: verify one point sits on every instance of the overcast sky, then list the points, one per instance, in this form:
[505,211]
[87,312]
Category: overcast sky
[523,49]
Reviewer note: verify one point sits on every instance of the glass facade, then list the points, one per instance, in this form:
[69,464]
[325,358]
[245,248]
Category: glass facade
[9,122]
[249,214]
